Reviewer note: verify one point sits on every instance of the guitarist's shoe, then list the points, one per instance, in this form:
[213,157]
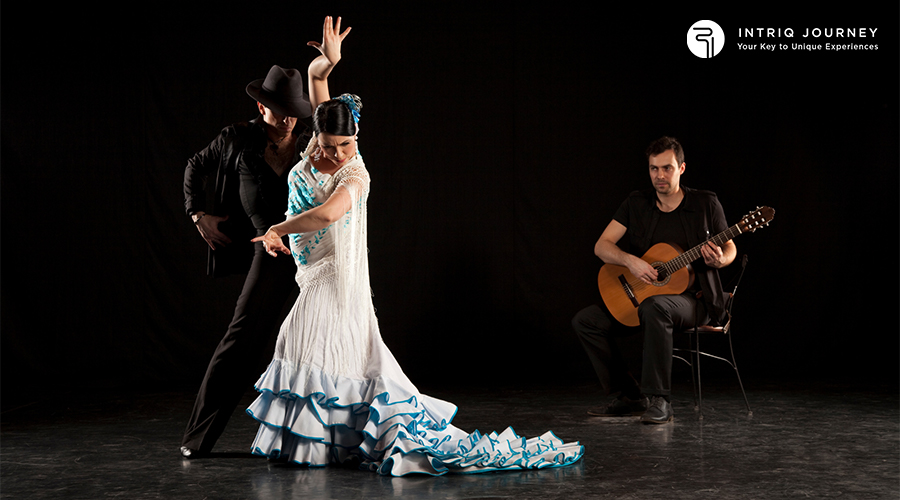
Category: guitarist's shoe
[659,412]
[622,407]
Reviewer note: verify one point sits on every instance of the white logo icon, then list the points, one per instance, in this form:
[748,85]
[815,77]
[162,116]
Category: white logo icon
[705,39]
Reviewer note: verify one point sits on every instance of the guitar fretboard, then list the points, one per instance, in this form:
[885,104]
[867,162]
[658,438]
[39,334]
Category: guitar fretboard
[694,253]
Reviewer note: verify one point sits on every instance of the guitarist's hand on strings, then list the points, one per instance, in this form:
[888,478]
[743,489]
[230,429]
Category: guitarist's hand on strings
[642,270]
[606,249]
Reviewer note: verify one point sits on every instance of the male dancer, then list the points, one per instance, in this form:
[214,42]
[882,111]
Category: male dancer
[249,163]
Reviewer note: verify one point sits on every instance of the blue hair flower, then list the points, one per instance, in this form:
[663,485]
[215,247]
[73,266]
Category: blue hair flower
[353,102]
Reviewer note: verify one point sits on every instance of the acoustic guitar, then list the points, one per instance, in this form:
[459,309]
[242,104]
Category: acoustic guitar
[622,292]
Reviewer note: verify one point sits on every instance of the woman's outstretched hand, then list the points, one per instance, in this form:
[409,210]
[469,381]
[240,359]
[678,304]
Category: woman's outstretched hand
[331,40]
[272,243]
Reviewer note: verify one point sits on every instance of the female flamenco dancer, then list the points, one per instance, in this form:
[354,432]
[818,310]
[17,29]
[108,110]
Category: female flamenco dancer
[334,394]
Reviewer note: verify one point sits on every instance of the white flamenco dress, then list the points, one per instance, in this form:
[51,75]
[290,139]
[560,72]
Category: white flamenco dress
[334,392]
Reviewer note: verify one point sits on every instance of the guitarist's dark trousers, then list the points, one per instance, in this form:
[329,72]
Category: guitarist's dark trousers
[660,316]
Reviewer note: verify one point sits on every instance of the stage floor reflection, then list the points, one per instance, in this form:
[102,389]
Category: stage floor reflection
[803,440]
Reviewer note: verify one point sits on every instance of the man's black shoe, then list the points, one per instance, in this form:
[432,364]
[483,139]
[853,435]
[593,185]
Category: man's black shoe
[659,412]
[622,407]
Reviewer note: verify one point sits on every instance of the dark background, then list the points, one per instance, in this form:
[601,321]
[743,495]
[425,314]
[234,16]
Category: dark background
[500,142]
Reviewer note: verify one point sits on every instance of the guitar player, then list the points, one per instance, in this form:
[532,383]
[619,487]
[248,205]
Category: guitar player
[669,213]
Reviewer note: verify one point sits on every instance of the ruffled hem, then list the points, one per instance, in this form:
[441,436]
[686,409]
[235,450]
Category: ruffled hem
[313,418]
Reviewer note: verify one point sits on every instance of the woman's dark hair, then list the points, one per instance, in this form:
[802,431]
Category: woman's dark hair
[335,117]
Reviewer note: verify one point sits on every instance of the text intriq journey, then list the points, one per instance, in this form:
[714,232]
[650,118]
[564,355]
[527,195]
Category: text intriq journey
[852,33]
[808,32]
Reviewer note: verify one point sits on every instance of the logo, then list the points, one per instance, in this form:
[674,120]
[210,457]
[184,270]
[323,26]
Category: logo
[705,39]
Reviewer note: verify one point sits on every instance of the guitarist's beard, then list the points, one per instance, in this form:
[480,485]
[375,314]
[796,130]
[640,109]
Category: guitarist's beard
[663,188]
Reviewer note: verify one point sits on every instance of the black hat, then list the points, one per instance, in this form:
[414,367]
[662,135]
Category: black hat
[282,92]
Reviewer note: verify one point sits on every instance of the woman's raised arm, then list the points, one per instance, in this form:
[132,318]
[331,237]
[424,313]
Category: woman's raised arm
[321,66]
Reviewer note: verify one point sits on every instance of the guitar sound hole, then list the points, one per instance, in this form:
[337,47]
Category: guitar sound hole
[662,276]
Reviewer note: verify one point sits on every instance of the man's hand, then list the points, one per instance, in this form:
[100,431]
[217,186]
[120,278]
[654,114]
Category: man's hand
[713,255]
[606,249]
[208,225]
[642,270]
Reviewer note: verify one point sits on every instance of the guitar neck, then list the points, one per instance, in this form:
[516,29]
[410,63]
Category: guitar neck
[694,253]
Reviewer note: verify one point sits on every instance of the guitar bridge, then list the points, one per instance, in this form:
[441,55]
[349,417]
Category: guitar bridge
[628,291]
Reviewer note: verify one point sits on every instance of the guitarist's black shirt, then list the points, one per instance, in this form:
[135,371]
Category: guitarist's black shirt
[670,230]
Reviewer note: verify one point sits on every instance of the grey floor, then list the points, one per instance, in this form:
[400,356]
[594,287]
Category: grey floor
[802,441]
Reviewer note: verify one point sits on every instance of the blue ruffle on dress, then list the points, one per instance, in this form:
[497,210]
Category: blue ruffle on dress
[385,427]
